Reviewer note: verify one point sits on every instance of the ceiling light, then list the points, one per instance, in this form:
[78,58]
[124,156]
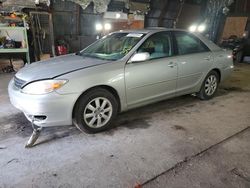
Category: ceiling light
[192,28]
[107,26]
[201,28]
[117,15]
[98,27]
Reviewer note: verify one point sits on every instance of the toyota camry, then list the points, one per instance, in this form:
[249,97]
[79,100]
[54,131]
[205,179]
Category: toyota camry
[121,71]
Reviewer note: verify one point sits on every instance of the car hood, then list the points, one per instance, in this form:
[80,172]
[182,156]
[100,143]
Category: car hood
[56,66]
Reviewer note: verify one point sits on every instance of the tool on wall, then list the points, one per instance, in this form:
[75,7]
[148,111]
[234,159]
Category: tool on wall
[43,35]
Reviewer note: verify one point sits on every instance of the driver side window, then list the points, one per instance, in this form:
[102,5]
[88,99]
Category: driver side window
[158,46]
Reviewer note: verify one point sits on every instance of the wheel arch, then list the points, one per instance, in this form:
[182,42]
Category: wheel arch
[110,89]
[218,72]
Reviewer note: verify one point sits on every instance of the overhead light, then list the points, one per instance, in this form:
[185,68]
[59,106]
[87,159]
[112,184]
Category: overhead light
[192,28]
[107,26]
[117,15]
[201,28]
[98,27]
[197,28]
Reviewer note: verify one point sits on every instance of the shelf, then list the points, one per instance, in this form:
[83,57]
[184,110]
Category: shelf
[16,19]
[22,30]
[15,50]
[12,28]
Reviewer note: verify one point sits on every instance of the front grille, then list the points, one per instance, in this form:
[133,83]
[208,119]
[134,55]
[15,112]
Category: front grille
[18,82]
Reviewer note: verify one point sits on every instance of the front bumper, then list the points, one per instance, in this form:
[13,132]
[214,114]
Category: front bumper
[55,107]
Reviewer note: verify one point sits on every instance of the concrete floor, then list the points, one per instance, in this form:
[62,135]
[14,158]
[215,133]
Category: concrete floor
[182,142]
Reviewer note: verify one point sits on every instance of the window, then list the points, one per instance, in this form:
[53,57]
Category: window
[157,45]
[188,44]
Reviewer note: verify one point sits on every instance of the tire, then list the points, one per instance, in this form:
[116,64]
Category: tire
[209,86]
[239,57]
[92,116]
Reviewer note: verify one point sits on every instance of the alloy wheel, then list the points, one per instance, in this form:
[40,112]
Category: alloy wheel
[211,85]
[98,112]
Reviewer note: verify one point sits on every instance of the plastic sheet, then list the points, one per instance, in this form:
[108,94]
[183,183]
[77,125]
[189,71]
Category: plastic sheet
[99,6]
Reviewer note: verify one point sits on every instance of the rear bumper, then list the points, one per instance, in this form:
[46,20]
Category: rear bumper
[56,108]
[226,72]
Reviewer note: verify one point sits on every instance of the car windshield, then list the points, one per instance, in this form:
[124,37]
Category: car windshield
[113,47]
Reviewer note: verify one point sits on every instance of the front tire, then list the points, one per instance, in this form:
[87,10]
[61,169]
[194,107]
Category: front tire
[209,86]
[95,111]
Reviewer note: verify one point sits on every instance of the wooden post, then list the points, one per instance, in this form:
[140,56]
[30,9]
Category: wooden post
[163,12]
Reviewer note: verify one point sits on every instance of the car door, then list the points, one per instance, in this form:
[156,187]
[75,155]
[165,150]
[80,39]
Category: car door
[194,60]
[154,78]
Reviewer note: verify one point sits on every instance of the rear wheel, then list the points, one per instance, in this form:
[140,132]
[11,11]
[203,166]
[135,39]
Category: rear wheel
[209,86]
[239,57]
[95,111]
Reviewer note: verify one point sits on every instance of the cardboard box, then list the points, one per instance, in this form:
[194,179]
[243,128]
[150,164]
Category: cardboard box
[44,56]
[4,63]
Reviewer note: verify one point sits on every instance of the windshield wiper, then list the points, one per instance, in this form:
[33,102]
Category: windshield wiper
[96,57]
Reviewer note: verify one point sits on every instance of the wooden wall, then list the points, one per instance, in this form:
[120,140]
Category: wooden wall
[234,26]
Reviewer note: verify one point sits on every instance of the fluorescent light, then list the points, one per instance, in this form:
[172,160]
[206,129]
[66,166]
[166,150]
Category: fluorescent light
[201,28]
[107,26]
[192,28]
[117,15]
[98,27]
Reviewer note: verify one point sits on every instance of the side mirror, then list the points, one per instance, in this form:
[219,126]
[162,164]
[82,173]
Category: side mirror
[141,56]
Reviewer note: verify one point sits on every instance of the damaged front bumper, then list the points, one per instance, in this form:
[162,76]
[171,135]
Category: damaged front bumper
[46,110]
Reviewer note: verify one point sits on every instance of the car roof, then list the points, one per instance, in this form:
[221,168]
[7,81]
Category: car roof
[150,30]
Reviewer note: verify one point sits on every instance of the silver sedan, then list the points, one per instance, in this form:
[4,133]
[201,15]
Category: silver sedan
[121,71]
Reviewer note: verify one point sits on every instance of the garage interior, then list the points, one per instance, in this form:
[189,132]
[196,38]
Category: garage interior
[180,142]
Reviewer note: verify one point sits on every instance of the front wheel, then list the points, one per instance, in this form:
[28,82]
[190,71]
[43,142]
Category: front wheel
[209,86]
[95,111]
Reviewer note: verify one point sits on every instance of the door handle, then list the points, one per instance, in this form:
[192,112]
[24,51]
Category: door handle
[171,64]
[207,58]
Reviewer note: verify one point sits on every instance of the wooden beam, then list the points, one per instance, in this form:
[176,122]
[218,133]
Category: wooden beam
[179,13]
[78,9]
[163,12]
[245,6]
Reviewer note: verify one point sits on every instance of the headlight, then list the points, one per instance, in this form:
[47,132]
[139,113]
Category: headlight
[43,86]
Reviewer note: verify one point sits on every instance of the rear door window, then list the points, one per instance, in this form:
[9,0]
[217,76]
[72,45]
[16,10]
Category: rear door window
[188,43]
